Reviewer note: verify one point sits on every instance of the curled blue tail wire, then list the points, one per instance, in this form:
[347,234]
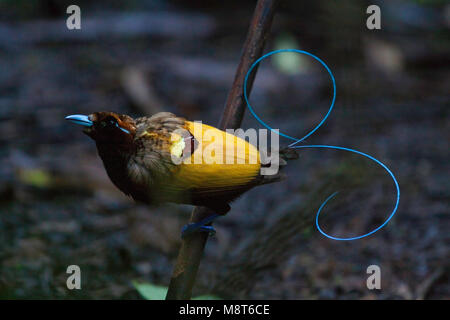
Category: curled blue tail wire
[331,196]
[296,141]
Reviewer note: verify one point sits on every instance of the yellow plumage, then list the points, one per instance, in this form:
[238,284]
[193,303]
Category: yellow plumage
[221,160]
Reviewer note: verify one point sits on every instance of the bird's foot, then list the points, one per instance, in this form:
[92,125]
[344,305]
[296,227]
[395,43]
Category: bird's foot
[201,226]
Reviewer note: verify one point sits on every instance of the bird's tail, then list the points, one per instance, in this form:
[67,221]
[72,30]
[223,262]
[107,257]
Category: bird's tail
[285,155]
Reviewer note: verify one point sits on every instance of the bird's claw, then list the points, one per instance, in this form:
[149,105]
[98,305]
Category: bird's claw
[202,226]
[192,228]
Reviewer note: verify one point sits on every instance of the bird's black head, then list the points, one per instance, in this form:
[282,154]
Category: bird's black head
[106,127]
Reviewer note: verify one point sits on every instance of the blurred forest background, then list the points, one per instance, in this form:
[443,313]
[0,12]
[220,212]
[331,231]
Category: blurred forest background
[58,207]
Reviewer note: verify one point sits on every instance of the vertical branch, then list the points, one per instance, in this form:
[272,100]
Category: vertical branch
[191,251]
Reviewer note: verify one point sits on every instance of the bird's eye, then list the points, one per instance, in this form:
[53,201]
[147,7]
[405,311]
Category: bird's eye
[108,122]
[111,122]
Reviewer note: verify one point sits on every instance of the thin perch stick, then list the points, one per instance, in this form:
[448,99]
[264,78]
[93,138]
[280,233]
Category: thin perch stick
[191,251]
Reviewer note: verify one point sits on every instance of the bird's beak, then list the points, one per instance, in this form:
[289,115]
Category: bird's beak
[80,119]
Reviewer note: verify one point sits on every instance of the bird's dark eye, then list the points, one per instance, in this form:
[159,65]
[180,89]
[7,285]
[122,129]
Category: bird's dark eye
[108,122]
[111,122]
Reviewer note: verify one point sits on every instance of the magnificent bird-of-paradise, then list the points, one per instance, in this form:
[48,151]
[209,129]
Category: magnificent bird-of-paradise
[140,156]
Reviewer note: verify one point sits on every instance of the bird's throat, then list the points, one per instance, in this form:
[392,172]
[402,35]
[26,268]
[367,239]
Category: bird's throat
[115,159]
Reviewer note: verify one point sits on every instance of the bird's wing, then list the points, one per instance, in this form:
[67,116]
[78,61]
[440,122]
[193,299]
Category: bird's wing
[194,157]
[219,161]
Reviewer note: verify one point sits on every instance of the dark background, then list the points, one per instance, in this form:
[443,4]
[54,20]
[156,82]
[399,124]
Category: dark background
[57,206]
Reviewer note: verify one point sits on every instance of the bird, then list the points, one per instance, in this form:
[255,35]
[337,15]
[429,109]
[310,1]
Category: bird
[166,158]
